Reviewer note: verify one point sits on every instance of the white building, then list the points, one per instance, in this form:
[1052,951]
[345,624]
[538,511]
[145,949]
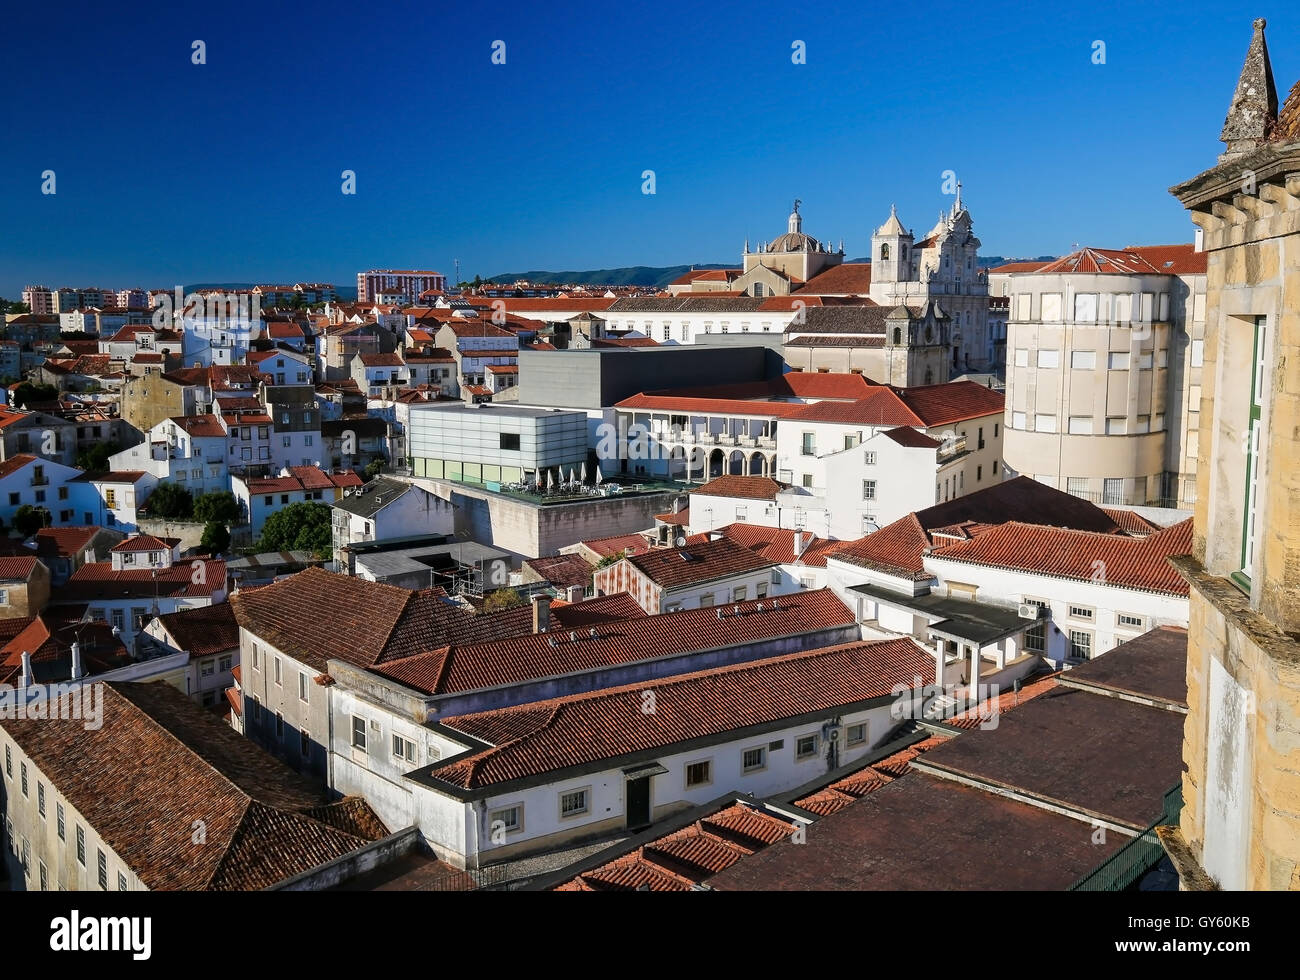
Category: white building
[386,508]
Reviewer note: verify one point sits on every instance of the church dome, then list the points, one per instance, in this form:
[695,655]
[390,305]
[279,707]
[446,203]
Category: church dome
[795,241]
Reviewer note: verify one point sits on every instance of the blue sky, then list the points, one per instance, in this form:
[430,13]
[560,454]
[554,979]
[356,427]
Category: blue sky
[169,172]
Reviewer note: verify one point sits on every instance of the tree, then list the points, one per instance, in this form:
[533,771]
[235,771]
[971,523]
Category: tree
[171,501]
[299,527]
[503,599]
[374,468]
[30,394]
[219,506]
[611,559]
[95,459]
[216,537]
[28,519]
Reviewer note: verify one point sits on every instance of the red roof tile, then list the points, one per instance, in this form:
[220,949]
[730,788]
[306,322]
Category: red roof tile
[672,568]
[97,580]
[146,542]
[592,612]
[16,569]
[562,570]
[847,279]
[546,736]
[632,544]
[748,487]
[522,658]
[204,631]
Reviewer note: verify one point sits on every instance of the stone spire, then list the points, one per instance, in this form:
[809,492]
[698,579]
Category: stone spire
[1254,104]
[956,204]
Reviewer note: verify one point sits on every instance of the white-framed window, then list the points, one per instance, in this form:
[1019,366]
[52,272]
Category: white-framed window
[207,667]
[740,593]
[302,686]
[1051,306]
[1036,635]
[856,734]
[507,818]
[1044,423]
[1082,612]
[1083,360]
[1018,420]
[869,457]
[278,672]
[868,489]
[752,760]
[403,748]
[1118,361]
[358,732]
[226,662]
[699,773]
[1081,425]
[575,802]
[1131,621]
[805,746]
[121,882]
[1049,358]
[1116,426]
[1080,645]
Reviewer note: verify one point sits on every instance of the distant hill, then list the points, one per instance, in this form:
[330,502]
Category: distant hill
[637,275]
[660,276]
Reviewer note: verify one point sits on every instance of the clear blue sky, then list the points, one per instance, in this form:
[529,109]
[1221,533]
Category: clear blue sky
[168,172]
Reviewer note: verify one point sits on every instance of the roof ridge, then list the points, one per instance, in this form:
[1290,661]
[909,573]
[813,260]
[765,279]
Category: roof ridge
[230,843]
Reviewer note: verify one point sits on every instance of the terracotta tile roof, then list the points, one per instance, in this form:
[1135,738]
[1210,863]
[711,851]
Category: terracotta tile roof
[955,401]
[843,792]
[611,341]
[1006,700]
[547,736]
[64,542]
[49,639]
[315,616]
[881,406]
[1173,259]
[715,406]
[503,368]
[97,580]
[1135,563]
[15,463]
[849,278]
[748,487]
[145,542]
[16,569]
[687,857]
[612,608]
[205,630]
[476,328]
[1131,521]
[705,275]
[1287,127]
[203,426]
[562,570]
[545,304]
[633,544]
[678,518]
[897,548]
[777,544]
[1010,267]
[527,657]
[672,568]
[262,822]
[911,438]
[381,360]
[1102,261]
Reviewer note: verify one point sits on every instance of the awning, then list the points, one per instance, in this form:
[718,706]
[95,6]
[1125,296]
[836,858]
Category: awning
[645,769]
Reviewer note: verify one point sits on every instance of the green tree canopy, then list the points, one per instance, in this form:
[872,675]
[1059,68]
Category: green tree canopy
[30,394]
[171,501]
[216,537]
[299,527]
[503,599]
[219,506]
[95,459]
[28,519]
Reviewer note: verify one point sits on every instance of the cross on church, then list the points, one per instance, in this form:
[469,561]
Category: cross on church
[797,202]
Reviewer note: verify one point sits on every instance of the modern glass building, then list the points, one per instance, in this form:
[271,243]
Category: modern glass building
[494,443]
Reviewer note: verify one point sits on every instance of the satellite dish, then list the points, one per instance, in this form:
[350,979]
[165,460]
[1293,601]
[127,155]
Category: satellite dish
[680,541]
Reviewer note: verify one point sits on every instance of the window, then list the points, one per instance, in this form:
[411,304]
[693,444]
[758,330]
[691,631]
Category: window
[739,593]
[279,725]
[1018,420]
[101,861]
[1085,307]
[868,489]
[403,748]
[805,747]
[510,819]
[1036,635]
[809,444]
[45,879]
[1112,491]
[225,663]
[22,769]
[807,480]
[1118,361]
[58,818]
[1080,645]
[304,743]
[256,657]
[509,440]
[1083,360]
[121,882]
[207,668]
[1051,306]
[706,600]
[857,734]
[979,473]
[1116,426]
[278,666]
[40,798]
[1022,357]
[268,500]
[1044,423]
[1081,425]
[1081,612]
[573,803]
[1049,358]
[761,590]
[14,498]
[1143,424]
[1250,509]
[302,686]
[699,774]
[754,760]
[358,732]
[869,458]
[1128,621]
[81,845]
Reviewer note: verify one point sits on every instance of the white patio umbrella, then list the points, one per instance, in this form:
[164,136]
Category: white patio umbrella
[598,476]
[584,471]
[549,480]
[573,478]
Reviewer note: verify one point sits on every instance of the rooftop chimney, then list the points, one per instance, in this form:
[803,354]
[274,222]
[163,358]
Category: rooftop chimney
[575,593]
[541,613]
[25,680]
[76,661]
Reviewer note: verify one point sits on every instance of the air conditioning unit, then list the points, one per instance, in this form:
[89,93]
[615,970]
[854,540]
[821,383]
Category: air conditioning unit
[1028,610]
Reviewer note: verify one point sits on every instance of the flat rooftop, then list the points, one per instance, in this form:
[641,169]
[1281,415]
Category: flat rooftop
[928,834]
[495,408]
[1076,750]
[965,619]
[1155,668]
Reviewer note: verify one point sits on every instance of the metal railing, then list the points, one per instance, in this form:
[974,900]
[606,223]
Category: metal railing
[1125,867]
